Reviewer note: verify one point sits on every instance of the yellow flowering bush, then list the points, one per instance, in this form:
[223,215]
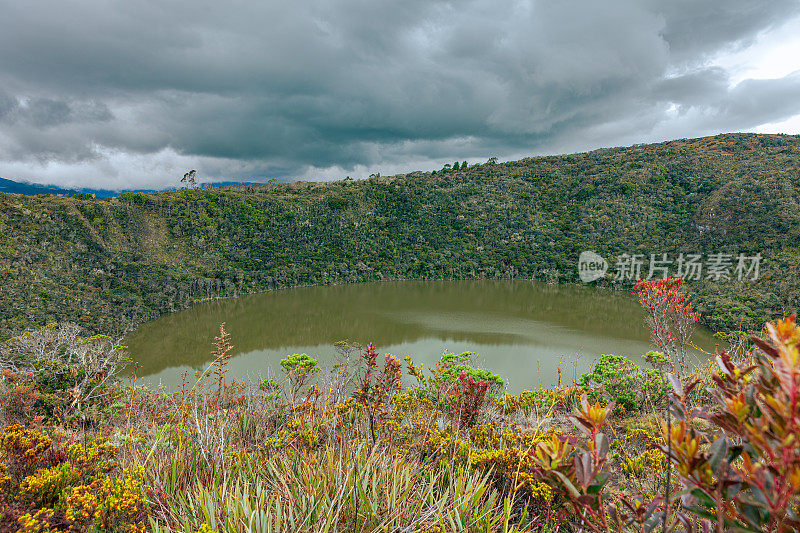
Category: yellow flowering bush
[539,400]
[297,432]
[74,487]
[96,457]
[24,449]
[46,485]
[5,479]
[282,439]
[38,522]
[109,501]
[649,461]
[82,504]
[513,466]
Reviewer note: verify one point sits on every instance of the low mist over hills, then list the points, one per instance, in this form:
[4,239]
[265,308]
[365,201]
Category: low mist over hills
[110,263]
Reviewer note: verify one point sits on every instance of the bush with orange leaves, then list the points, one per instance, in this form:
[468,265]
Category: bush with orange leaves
[747,478]
[740,474]
[578,469]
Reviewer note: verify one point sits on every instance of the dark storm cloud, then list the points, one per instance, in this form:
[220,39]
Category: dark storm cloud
[47,112]
[695,28]
[293,88]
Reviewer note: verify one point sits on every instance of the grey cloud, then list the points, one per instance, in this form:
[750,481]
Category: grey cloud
[745,105]
[756,101]
[694,29]
[45,112]
[8,105]
[280,88]
[697,87]
[48,112]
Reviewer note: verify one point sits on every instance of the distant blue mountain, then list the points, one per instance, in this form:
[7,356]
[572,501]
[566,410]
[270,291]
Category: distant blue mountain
[30,189]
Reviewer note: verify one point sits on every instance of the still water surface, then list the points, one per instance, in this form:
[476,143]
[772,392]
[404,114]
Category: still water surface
[521,330]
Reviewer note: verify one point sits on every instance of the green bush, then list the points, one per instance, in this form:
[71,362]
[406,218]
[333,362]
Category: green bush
[56,376]
[136,198]
[658,360]
[625,187]
[83,196]
[268,385]
[337,203]
[618,378]
[453,365]
[299,367]
[585,192]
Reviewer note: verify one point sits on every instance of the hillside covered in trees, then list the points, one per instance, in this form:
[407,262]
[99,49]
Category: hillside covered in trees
[107,264]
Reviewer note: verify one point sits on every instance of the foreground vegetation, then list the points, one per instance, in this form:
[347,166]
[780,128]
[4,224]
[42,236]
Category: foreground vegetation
[374,444]
[107,264]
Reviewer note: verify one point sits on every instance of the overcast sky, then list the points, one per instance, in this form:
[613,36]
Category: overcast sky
[133,93]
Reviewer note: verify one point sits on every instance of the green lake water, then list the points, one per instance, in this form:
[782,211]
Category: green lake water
[521,330]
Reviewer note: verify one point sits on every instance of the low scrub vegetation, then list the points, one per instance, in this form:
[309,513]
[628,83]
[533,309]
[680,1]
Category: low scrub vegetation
[376,444]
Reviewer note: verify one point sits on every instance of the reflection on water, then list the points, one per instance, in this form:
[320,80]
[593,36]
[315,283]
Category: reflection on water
[521,330]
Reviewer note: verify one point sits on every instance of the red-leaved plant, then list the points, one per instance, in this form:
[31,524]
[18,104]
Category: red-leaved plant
[377,387]
[670,316]
[469,396]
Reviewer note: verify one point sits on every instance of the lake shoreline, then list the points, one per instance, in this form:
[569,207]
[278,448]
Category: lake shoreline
[501,319]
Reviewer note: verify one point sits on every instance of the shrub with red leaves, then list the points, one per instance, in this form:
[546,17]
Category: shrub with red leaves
[469,396]
[670,316]
[378,387]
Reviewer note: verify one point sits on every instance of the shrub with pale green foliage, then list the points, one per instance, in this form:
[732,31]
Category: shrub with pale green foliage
[299,367]
[618,379]
[454,364]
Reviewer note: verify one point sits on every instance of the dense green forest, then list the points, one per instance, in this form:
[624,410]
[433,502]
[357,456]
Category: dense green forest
[109,264]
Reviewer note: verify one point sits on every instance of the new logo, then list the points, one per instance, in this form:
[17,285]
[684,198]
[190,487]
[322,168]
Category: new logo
[591,266]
